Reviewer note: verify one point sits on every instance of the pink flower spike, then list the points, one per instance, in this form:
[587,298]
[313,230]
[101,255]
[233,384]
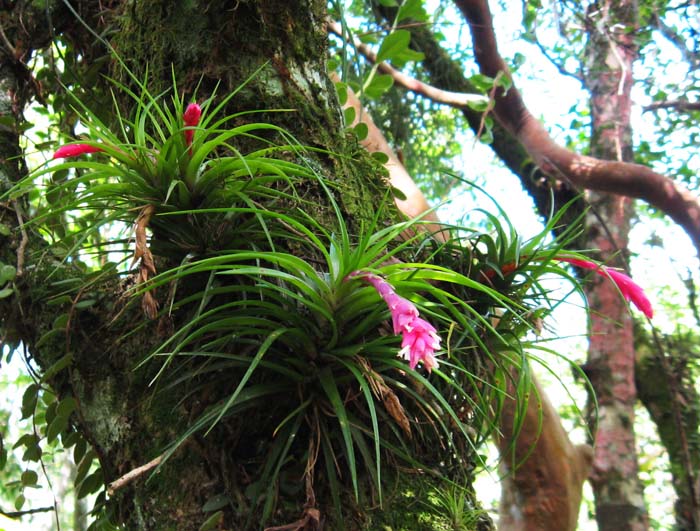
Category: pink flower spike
[74,150]
[420,339]
[191,117]
[630,290]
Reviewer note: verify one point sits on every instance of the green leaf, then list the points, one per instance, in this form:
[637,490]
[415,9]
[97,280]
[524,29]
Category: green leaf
[331,389]
[57,367]
[342,90]
[393,44]
[29,478]
[91,484]
[58,301]
[19,502]
[479,105]
[48,336]
[407,56]
[412,9]
[361,131]
[212,522]
[380,157]
[69,439]
[398,194]
[60,322]
[249,372]
[66,407]
[4,293]
[79,450]
[349,115]
[84,467]
[86,303]
[57,426]
[28,439]
[32,453]
[29,400]
[7,273]
[379,85]
[4,230]
[219,501]
[481,82]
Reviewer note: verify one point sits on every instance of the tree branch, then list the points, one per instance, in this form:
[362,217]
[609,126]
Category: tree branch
[133,475]
[628,179]
[453,99]
[678,105]
[447,74]
[19,514]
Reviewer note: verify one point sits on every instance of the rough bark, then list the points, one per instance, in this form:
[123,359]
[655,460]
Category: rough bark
[610,366]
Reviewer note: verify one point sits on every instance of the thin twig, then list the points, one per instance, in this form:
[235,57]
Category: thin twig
[132,475]
[23,242]
[19,514]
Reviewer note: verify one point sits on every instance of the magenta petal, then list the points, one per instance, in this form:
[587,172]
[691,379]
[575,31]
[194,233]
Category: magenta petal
[74,150]
[419,344]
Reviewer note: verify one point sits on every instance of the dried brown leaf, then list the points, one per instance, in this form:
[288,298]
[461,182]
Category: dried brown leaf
[395,409]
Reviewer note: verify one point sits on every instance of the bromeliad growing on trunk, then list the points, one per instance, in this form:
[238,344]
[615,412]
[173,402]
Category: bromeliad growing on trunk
[420,339]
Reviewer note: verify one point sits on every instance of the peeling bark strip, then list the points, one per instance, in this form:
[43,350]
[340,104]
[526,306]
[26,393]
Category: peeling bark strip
[543,491]
[617,177]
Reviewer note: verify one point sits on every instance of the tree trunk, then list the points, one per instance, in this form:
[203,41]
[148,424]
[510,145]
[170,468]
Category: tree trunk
[610,55]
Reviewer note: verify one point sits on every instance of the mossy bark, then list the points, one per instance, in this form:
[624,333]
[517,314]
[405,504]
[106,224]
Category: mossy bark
[280,48]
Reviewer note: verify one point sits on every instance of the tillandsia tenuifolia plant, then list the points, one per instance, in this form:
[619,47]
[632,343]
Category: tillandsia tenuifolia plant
[281,312]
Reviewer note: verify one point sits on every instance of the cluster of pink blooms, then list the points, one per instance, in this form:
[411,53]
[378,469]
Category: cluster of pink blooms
[630,290]
[190,117]
[420,339]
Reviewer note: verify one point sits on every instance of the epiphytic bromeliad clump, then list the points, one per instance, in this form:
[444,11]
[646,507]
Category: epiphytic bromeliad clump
[293,320]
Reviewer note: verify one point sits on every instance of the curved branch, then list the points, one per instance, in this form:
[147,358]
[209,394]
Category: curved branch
[629,179]
[453,99]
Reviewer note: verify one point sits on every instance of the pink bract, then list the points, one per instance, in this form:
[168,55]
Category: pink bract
[74,150]
[191,117]
[630,290]
[420,339]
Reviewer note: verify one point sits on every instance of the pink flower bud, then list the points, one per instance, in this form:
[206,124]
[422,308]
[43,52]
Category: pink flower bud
[74,150]
[191,117]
